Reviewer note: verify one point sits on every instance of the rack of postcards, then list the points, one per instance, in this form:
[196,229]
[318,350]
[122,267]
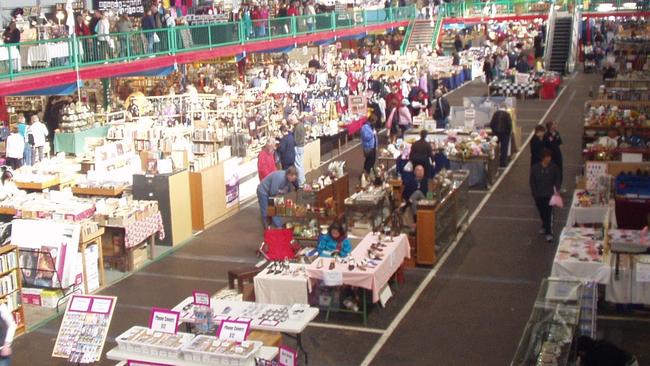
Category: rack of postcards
[11,284]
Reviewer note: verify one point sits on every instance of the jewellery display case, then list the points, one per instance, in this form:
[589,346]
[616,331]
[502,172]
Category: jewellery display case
[549,335]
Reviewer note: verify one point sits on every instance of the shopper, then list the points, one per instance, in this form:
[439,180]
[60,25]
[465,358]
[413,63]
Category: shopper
[487,70]
[552,142]
[501,125]
[124,26]
[11,33]
[603,353]
[311,11]
[416,187]
[275,184]
[27,149]
[266,160]
[300,136]
[148,25]
[442,110]
[458,43]
[422,153]
[7,331]
[609,73]
[502,65]
[7,187]
[104,42]
[287,148]
[404,117]
[545,181]
[15,148]
[369,146]
[537,145]
[39,133]
[335,243]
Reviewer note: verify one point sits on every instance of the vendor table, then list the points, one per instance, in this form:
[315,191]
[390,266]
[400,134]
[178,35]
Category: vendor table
[482,170]
[578,257]
[283,288]
[101,192]
[267,353]
[38,54]
[15,57]
[595,214]
[507,88]
[223,309]
[135,234]
[373,279]
[38,186]
[75,142]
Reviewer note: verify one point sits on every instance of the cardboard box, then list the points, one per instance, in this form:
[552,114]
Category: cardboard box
[139,256]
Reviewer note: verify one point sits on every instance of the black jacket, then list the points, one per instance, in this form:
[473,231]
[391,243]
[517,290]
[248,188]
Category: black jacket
[501,123]
[553,142]
[443,112]
[536,150]
[421,152]
[287,151]
[544,181]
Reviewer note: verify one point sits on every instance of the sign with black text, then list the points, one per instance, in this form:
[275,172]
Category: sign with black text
[233,330]
[130,7]
[164,320]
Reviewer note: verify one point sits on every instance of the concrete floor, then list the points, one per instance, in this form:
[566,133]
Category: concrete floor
[472,312]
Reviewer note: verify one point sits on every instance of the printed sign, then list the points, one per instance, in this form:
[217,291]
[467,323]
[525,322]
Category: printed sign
[287,357]
[333,278]
[233,330]
[144,363]
[130,7]
[201,298]
[164,320]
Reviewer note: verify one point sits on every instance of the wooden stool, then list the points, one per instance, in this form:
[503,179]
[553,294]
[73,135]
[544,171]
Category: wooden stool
[241,274]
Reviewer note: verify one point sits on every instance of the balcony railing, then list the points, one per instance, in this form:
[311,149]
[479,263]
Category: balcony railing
[37,57]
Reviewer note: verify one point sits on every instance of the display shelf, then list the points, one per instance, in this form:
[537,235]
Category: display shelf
[9,259]
[208,196]
[553,325]
[38,186]
[103,192]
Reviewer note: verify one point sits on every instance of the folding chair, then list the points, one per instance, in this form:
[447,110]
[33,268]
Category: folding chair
[279,245]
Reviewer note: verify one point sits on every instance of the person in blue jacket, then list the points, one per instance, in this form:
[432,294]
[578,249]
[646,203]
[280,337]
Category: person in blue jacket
[369,145]
[287,148]
[335,242]
[275,184]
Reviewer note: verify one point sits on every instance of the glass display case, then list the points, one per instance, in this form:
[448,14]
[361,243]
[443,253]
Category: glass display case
[549,335]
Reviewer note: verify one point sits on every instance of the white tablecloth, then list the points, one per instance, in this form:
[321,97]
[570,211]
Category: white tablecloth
[589,215]
[283,288]
[45,52]
[15,56]
[577,257]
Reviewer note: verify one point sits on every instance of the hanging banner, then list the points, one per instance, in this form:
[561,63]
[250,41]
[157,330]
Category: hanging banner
[130,7]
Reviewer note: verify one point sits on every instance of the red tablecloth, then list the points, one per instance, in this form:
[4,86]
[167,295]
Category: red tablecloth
[139,231]
[355,126]
[549,87]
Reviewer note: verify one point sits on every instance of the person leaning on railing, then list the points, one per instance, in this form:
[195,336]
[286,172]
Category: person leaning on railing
[11,34]
[124,26]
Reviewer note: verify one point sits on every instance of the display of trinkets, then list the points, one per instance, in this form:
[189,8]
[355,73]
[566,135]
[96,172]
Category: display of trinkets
[212,350]
[147,341]
[76,117]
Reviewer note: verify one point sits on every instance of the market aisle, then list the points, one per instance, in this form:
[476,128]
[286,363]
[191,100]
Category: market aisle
[474,310]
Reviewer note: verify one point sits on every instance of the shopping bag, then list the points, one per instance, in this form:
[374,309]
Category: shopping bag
[556,200]
[156,39]
[408,167]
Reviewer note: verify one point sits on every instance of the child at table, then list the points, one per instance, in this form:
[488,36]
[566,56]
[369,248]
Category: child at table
[334,243]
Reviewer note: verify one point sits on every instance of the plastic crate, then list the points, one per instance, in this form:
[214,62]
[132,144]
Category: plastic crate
[152,347]
[191,353]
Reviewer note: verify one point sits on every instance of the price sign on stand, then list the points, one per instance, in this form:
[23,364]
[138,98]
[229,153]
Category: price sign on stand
[201,298]
[287,357]
[164,320]
[233,330]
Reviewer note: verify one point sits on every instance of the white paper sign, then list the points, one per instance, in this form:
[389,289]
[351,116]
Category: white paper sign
[201,298]
[233,330]
[80,303]
[333,278]
[642,272]
[287,356]
[164,320]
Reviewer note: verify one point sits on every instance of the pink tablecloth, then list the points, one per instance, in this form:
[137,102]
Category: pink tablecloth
[373,279]
[139,231]
[355,126]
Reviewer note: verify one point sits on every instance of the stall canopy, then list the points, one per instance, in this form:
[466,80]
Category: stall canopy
[163,71]
[65,89]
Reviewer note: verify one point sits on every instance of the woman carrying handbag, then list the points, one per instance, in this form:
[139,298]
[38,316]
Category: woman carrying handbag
[545,180]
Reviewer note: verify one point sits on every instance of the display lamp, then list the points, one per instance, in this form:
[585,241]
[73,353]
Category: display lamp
[60,16]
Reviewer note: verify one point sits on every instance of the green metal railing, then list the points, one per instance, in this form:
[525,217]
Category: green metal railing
[407,36]
[30,58]
[436,31]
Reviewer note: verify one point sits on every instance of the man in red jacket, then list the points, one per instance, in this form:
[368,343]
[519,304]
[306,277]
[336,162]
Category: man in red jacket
[266,160]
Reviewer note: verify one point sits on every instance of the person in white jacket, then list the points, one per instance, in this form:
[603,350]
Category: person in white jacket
[15,148]
[38,132]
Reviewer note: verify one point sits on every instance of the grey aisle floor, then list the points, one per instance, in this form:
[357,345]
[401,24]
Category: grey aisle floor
[471,313]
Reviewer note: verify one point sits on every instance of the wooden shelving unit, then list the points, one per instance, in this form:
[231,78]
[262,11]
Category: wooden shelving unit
[11,281]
